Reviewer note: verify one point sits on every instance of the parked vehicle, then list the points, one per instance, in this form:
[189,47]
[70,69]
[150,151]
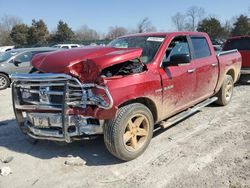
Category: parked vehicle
[17,61]
[242,44]
[66,46]
[5,48]
[217,48]
[124,89]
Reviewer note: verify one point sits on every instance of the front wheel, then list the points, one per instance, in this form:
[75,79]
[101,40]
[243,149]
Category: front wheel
[226,91]
[129,133]
[4,81]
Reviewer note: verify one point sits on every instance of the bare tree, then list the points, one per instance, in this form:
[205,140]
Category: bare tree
[8,22]
[85,33]
[115,32]
[228,26]
[195,14]
[179,21]
[145,25]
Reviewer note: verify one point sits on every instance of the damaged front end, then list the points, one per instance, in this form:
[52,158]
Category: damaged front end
[42,104]
[73,101]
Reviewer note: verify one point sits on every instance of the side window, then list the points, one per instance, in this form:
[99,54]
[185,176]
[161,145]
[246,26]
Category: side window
[74,46]
[201,48]
[66,47]
[179,45]
[24,57]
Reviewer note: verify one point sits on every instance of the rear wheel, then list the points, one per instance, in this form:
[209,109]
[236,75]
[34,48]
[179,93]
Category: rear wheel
[226,91]
[129,133]
[4,81]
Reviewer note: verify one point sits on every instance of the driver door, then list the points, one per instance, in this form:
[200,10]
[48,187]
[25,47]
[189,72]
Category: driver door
[21,63]
[178,81]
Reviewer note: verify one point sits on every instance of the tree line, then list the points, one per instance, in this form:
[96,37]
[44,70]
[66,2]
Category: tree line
[14,32]
[194,20]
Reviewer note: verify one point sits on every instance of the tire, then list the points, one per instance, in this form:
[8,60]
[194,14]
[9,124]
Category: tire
[129,133]
[4,81]
[226,91]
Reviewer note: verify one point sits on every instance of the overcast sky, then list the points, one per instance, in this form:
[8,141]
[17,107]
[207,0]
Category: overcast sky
[101,14]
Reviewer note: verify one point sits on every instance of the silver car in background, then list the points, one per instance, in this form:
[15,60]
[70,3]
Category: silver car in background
[17,61]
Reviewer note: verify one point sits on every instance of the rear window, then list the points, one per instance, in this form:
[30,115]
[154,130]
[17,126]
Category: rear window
[238,43]
[201,48]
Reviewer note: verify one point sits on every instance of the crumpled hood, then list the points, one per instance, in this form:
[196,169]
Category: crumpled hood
[101,57]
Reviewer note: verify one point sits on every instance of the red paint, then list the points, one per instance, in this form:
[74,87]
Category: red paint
[245,53]
[171,89]
[59,61]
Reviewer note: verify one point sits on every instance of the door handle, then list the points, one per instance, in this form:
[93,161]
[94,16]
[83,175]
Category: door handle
[214,64]
[191,70]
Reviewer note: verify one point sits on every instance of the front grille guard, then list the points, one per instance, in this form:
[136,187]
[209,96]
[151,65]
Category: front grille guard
[86,99]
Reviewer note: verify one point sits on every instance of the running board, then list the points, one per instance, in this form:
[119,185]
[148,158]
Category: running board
[184,114]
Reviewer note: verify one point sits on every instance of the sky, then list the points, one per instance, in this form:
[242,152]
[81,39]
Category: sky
[101,14]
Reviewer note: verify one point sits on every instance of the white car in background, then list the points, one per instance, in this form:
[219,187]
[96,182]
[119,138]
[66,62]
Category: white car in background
[67,46]
[5,48]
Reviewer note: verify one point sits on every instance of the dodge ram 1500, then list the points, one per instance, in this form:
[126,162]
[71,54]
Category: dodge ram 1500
[123,90]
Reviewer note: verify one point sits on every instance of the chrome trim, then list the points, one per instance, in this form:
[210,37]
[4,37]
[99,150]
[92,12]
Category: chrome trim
[51,96]
[245,71]
[191,70]
[227,52]
[46,76]
[35,107]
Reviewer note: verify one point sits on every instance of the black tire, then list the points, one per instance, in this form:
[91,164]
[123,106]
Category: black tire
[127,123]
[4,81]
[226,91]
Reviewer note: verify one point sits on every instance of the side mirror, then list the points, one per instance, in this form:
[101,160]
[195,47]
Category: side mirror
[16,62]
[180,59]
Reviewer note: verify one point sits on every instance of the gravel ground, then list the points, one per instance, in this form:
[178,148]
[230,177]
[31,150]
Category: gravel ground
[209,149]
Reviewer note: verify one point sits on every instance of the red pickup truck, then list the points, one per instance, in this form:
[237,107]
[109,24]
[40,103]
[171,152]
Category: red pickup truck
[124,89]
[242,44]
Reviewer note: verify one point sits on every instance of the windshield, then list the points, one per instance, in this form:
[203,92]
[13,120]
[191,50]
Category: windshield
[149,45]
[7,55]
[238,43]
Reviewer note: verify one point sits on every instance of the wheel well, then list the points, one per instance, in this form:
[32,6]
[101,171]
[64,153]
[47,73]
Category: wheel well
[5,74]
[231,72]
[147,102]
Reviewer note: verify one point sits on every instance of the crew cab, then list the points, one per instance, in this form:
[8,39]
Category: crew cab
[242,44]
[124,89]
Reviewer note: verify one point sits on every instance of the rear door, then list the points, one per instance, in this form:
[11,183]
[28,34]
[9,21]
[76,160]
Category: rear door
[206,67]
[177,81]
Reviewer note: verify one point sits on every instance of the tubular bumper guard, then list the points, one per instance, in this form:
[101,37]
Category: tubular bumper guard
[41,103]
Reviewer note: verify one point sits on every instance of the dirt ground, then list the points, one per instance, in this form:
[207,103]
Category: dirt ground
[209,149]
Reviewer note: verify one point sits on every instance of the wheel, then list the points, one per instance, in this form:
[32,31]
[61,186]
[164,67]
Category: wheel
[226,91]
[4,81]
[129,133]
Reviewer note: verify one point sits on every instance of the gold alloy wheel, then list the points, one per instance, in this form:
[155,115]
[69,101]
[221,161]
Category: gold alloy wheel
[229,89]
[136,132]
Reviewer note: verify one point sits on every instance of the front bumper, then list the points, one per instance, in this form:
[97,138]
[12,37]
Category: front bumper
[42,105]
